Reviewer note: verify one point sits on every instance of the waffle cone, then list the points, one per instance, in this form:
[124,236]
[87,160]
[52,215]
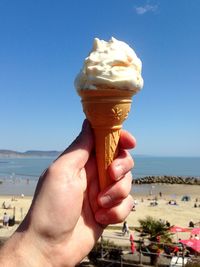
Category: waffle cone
[106,109]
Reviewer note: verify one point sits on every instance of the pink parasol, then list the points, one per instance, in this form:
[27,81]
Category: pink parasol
[192,243]
[196,231]
[178,229]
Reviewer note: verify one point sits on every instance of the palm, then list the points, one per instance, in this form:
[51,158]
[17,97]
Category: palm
[157,233]
[152,228]
[67,214]
[68,210]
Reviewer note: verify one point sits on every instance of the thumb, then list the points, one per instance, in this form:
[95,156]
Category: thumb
[79,151]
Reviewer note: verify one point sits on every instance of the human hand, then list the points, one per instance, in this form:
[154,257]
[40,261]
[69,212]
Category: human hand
[69,213]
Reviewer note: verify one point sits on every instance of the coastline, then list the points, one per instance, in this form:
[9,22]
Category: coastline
[143,195]
[17,187]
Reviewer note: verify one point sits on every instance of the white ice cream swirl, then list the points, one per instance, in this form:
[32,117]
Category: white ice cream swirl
[113,64]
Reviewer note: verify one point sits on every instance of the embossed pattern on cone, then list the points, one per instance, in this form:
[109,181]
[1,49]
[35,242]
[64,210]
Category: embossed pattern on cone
[106,109]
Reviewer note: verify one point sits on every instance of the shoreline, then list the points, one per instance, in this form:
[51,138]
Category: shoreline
[143,195]
[26,186]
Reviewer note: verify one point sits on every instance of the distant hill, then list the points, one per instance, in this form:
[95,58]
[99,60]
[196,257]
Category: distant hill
[4,153]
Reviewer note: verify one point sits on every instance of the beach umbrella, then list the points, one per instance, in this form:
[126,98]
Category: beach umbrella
[192,243]
[178,229]
[196,231]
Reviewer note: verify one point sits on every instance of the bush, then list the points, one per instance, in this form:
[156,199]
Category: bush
[107,248]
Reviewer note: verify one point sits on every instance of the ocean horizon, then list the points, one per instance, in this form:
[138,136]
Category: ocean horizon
[20,175]
[31,168]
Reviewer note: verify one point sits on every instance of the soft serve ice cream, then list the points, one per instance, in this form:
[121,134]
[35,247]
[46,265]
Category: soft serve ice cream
[110,76]
[113,64]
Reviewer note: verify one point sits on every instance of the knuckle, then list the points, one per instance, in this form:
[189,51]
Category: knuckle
[124,190]
[130,161]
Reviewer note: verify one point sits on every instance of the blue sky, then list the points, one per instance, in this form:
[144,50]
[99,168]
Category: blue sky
[42,48]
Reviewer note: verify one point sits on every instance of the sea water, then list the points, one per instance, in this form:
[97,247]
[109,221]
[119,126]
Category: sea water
[24,168]
[31,168]
[170,166]
[20,175]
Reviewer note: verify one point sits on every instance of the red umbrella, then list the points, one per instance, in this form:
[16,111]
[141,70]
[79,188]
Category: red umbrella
[178,229]
[196,231]
[192,243]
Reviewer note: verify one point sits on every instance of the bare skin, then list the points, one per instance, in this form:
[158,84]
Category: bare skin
[69,212]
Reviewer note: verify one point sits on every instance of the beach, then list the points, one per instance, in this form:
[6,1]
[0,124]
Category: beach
[14,204]
[179,214]
[144,198]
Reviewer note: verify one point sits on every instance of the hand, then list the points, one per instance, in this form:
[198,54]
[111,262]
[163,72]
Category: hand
[69,213]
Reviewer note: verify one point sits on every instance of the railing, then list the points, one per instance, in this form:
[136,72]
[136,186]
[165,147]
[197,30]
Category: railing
[141,257]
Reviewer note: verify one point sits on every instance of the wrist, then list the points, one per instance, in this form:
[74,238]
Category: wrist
[25,253]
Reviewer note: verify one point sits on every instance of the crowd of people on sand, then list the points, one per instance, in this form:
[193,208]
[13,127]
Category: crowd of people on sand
[154,200]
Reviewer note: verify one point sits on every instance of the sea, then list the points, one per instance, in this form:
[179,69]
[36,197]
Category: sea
[20,175]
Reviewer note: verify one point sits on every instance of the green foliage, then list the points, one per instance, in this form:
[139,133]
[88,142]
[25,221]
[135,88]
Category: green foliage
[154,230]
[157,233]
[106,247]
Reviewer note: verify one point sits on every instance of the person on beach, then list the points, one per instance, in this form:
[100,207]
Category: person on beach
[6,220]
[125,228]
[191,224]
[69,212]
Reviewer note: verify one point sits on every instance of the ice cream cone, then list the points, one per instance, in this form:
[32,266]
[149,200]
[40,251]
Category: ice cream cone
[106,109]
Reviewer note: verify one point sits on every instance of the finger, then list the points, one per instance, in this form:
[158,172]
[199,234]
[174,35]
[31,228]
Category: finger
[126,141]
[78,152]
[116,192]
[121,165]
[115,214]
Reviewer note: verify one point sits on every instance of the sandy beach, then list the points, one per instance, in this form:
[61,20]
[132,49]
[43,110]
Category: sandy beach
[20,205]
[179,214]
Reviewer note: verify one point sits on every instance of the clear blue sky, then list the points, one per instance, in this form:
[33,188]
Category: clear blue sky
[44,42]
